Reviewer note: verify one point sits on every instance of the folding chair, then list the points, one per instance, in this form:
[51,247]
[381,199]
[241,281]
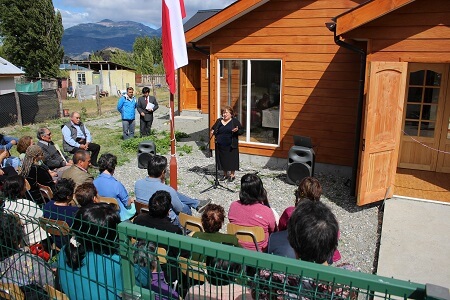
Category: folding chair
[11,291]
[54,294]
[141,207]
[250,234]
[54,228]
[109,200]
[46,192]
[194,224]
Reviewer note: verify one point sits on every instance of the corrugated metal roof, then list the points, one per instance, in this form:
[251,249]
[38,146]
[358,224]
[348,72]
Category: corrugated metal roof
[7,68]
[199,17]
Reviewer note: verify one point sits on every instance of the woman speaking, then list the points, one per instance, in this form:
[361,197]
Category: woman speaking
[226,130]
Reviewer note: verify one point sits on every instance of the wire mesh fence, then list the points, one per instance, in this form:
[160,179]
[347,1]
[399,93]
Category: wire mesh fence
[34,107]
[107,259]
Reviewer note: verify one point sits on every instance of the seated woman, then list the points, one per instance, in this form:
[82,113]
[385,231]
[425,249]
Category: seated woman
[61,208]
[108,186]
[220,283]
[250,209]
[309,188]
[22,146]
[89,265]
[146,271]
[17,266]
[36,172]
[28,212]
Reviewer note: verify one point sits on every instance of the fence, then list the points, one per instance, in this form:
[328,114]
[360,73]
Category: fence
[132,270]
[155,80]
[33,107]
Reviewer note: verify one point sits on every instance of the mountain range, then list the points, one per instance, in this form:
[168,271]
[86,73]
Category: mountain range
[91,37]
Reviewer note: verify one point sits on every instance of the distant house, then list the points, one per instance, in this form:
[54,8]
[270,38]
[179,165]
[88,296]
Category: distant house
[107,75]
[7,74]
[285,73]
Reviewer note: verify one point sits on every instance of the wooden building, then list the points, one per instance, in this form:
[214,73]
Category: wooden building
[352,91]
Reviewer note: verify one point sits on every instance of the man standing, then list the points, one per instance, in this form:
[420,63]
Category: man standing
[126,106]
[53,159]
[78,171]
[76,136]
[146,106]
[145,188]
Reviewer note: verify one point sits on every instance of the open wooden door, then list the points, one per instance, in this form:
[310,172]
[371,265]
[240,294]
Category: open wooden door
[382,127]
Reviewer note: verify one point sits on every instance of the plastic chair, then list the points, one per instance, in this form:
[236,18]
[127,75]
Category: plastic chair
[54,228]
[250,234]
[109,200]
[194,224]
[193,269]
[141,207]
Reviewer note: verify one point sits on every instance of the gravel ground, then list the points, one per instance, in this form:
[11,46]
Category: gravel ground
[358,226]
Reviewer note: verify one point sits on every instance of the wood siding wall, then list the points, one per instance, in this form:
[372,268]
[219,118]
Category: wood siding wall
[417,32]
[319,79]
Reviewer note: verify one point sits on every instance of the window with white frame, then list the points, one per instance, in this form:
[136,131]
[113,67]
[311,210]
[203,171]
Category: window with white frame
[81,78]
[252,89]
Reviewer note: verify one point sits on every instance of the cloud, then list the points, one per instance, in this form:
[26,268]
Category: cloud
[147,12]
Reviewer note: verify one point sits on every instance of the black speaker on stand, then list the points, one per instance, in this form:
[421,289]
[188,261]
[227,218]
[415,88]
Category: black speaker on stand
[300,164]
[146,149]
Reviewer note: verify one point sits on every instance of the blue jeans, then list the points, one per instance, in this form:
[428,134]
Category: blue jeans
[188,203]
[128,128]
[6,142]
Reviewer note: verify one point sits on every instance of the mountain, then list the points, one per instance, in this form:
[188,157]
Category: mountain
[90,37]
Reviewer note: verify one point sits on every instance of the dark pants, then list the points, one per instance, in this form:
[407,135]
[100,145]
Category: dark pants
[145,127]
[94,149]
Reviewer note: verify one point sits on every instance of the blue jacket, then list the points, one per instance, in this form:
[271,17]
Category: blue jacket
[126,107]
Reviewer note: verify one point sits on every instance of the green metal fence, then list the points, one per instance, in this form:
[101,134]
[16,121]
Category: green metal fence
[132,267]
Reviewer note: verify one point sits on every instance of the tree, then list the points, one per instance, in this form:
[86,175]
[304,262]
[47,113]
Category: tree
[32,34]
[147,55]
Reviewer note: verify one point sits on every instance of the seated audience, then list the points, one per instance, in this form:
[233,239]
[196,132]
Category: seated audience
[7,171]
[155,181]
[146,271]
[28,211]
[220,283]
[108,186]
[278,244]
[250,210]
[86,193]
[53,158]
[76,136]
[22,146]
[78,172]
[313,234]
[36,172]
[6,144]
[17,266]
[61,207]
[309,188]
[213,218]
[89,265]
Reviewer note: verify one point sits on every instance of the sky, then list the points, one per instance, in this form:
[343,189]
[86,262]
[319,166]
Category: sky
[148,12]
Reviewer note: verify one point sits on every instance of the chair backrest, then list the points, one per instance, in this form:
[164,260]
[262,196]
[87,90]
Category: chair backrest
[54,227]
[162,255]
[46,192]
[54,294]
[250,234]
[193,269]
[191,223]
[109,200]
[141,207]
[11,291]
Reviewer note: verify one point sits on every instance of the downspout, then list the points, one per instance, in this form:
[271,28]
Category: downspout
[362,75]
[202,51]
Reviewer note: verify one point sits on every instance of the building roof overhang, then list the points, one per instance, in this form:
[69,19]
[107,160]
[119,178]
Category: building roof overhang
[99,65]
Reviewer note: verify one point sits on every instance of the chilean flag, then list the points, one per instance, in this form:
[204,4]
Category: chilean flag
[173,39]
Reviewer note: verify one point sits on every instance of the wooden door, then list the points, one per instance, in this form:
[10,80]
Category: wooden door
[423,117]
[443,161]
[191,101]
[381,136]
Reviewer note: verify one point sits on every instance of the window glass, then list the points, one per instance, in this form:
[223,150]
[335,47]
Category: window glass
[416,78]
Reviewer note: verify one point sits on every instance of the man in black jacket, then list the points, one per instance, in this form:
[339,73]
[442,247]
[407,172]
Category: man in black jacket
[146,105]
[53,158]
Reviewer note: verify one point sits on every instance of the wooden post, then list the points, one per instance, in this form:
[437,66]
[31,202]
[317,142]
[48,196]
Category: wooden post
[173,159]
[58,93]
[97,98]
[19,111]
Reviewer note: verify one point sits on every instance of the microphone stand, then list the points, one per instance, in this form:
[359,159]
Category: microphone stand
[216,183]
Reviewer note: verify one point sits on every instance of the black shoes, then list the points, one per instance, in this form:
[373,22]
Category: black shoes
[202,205]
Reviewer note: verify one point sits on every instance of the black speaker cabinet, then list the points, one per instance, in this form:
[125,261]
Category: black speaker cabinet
[146,149]
[300,164]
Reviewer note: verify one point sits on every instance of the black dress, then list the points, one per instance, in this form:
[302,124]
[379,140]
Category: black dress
[228,156]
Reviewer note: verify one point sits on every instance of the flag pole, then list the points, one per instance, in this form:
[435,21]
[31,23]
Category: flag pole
[173,158]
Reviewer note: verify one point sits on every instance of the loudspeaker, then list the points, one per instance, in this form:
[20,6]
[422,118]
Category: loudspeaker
[300,164]
[146,149]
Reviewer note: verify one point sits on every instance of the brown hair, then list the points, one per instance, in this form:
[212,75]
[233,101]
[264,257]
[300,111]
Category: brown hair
[23,143]
[213,218]
[32,153]
[309,188]
[229,108]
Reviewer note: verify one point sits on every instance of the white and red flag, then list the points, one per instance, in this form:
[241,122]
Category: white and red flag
[173,39]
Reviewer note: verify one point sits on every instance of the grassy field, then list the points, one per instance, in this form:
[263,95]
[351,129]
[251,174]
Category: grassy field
[109,138]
